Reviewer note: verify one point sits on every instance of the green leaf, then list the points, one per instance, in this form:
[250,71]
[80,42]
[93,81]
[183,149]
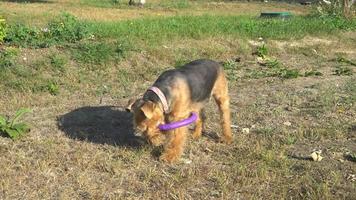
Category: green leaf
[13,134]
[21,128]
[19,113]
[2,121]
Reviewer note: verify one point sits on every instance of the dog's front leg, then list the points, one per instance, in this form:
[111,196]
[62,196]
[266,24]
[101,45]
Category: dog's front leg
[174,147]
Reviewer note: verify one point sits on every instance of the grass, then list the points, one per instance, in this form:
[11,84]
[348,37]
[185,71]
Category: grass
[158,30]
[81,145]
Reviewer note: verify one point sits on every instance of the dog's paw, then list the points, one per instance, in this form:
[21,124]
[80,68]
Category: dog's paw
[168,158]
[226,140]
[196,136]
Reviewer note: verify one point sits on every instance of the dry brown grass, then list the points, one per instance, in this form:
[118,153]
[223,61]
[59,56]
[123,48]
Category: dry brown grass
[81,146]
[38,13]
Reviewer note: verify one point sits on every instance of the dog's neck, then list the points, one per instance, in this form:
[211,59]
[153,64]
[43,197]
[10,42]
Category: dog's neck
[161,98]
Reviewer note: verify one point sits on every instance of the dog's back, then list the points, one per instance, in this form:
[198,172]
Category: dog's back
[200,76]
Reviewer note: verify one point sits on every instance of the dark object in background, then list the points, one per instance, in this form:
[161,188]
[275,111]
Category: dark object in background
[276,15]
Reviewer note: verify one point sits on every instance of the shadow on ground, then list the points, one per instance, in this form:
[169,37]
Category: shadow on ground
[102,125]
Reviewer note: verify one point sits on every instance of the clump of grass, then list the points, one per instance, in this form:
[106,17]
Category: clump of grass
[66,28]
[312,73]
[58,62]
[7,57]
[343,71]
[158,30]
[2,29]
[98,52]
[176,4]
[262,51]
[52,88]
[11,127]
[230,67]
[341,59]
[273,68]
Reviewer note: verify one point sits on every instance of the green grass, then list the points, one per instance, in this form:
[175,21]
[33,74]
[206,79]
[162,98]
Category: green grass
[158,30]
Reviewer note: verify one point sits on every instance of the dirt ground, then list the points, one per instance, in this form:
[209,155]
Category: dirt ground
[81,144]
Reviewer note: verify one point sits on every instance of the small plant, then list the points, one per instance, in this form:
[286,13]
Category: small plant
[52,88]
[351,156]
[11,127]
[7,57]
[58,62]
[67,28]
[278,70]
[95,53]
[346,61]
[273,63]
[288,73]
[24,36]
[262,51]
[343,71]
[230,65]
[115,2]
[2,29]
[312,73]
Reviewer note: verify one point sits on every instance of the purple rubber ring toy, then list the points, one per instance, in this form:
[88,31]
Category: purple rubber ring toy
[165,127]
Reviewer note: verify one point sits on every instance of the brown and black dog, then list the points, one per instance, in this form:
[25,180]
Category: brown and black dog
[186,90]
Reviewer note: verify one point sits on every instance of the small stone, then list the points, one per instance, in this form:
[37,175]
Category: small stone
[186,161]
[245,130]
[234,126]
[287,123]
[316,156]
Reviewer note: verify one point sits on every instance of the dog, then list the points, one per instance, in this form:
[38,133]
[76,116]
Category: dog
[174,96]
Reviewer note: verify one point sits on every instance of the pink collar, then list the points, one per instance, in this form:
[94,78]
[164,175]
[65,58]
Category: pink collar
[161,96]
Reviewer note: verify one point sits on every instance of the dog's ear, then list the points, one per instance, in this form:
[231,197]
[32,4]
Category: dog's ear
[132,103]
[129,105]
[148,109]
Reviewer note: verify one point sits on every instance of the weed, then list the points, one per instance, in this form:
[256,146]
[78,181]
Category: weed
[290,139]
[351,157]
[67,28]
[230,67]
[2,29]
[98,53]
[52,88]
[275,69]
[262,51]
[95,53]
[288,73]
[177,4]
[58,62]
[343,71]
[312,73]
[344,60]
[24,36]
[11,127]
[7,57]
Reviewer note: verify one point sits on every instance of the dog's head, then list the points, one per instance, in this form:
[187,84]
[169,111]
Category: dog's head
[147,116]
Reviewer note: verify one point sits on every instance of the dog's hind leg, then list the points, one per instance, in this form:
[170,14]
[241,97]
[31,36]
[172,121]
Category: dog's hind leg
[199,124]
[221,96]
